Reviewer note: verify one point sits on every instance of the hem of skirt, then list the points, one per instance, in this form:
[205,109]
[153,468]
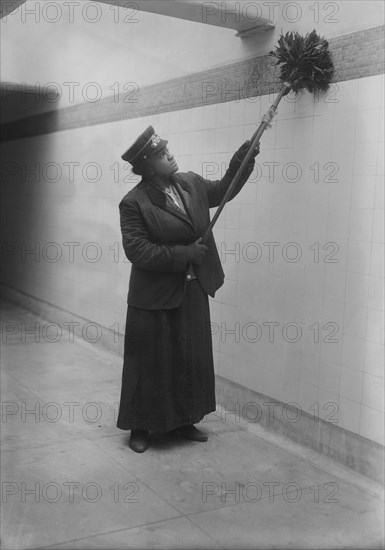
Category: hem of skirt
[163,427]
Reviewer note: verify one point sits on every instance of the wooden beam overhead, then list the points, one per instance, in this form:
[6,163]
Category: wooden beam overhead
[8,6]
[244,17]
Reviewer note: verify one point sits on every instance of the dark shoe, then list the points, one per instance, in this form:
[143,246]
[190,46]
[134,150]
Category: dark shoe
[139,440]
[192,433]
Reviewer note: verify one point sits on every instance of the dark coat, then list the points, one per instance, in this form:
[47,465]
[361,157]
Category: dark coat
[156,235]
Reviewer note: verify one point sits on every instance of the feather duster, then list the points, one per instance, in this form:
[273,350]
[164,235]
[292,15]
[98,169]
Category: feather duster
[305,61]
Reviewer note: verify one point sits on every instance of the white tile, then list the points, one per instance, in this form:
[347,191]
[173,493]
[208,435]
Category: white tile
[333,311]
[328,403]
[357,288]
[353,352]
[343,121]
[229,295]
[355,320]
[248,133]
[326,102]
[209,116]
[381,127]
[346,93]
[359,256]
[169,122]
[340,192]
[208,142]
[307,397]
[250,377]
[284,133]
[372,424]
[230,268]
[378,226]
[365,159]
[322,131]
[309,369]
[212,166]
[222,118]
[373,392]
[335,254]
[237,109]
[376,292]
[377,260]
[374,359]
[313,283]
[363,191]
[316,219]
[329,376]
[266,102]
[273,381]
[335,280]
[248,214]
[303,136]
[375,326]
[194,143]
[304,105]
[292,365]
[361,225]
[331,342]
[196,119]
[268,138]
[226,365]
[252,110]
[236,137]
[221,139]
[367,126]
[369,92]
[351,384]
[286,108]
[232,215]
[349,415]
[338,223]
[318,194]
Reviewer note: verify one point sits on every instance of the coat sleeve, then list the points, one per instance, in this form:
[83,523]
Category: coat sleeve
[141,251]
[216,189]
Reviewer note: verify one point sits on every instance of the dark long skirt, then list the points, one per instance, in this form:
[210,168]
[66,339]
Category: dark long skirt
[168,372]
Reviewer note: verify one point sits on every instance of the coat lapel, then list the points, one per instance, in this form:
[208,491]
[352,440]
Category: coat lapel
[185,196]
[158,198]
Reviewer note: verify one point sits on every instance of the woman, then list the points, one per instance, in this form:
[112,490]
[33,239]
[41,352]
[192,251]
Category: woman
[168,374]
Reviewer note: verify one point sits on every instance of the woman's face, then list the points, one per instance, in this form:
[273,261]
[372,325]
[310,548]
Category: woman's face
[162,163]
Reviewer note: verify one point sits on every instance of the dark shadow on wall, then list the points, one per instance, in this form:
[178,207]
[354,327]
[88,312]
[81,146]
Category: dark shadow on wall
[22,164]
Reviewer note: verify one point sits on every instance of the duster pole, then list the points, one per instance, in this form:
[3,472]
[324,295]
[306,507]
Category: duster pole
[305,63]
[253,143]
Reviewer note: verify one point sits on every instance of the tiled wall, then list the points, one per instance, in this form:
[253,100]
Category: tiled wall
[325,197]
[336,212]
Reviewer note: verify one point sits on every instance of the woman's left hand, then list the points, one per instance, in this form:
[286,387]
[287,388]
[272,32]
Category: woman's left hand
[242,151]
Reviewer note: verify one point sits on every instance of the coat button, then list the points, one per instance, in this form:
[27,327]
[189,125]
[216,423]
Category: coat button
[189,276]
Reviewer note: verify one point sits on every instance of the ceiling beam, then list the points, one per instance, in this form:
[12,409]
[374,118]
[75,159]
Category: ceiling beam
[8,6]
[244,17]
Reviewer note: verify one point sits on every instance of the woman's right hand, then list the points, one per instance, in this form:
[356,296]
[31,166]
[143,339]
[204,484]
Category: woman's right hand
[197,252]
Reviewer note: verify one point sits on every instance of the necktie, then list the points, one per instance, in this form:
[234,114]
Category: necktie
[173,194]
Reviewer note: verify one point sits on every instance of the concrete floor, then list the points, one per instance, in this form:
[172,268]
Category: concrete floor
[69,480]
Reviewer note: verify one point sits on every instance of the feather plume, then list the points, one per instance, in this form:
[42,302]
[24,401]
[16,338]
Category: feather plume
[305,61]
